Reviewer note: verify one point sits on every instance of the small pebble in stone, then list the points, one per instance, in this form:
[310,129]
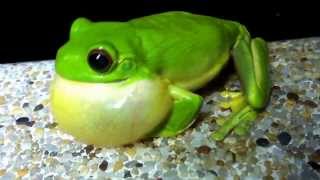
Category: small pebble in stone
[284,138]
[117,165]
[276,87]
[53,154]
[316,116]
[210,101]
[310,103]
[38,107]
[292,96]
[30,82]
[22,172]
[24,121]
[131,164]
[213,172]
[131,151]
[51,125]
[2,100]
[74,154]
[89,148]
[203,149]
[274,124]
[127,174]
[138,164]
[303,59]
[104,165]
[315,156]
[314,165]
[30,124]
[220,162]
[200,174]
[25,105]
[263,142]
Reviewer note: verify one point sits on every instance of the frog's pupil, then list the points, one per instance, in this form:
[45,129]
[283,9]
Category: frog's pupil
[99,60]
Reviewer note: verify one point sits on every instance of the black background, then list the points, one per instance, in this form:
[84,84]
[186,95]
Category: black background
[35,32]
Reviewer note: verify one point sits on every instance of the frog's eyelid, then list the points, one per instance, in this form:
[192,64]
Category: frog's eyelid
[109,48]
[79,25]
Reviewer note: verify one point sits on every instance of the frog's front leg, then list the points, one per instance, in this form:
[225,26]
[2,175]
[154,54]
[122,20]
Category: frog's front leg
[186,107]
[251,62]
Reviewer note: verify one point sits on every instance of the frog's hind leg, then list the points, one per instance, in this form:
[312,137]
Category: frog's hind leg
[251,62]
[186,107]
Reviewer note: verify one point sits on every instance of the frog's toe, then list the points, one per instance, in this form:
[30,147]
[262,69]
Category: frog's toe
[230,94]
[239,122]
[218,135]
[233,100]
[226,127]
[243,128]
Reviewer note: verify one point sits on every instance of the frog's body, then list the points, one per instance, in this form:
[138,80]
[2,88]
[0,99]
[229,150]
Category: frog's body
[193,64]
[184,50]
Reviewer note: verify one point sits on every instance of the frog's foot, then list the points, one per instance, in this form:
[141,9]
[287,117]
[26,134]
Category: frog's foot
[241,118]
[186,107]
[230,100]
[240,121]
[233,100]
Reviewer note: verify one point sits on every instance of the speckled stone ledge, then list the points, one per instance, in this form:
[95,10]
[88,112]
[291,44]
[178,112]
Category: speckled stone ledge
[284,142]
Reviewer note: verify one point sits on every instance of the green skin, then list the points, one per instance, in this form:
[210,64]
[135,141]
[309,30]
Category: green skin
[179,50]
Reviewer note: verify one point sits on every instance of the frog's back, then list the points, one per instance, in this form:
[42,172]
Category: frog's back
[186,48]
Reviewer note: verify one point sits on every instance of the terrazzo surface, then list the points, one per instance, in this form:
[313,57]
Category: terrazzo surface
[284,143]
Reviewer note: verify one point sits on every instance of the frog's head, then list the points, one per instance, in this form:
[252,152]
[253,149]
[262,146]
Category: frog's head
[96,55]
[98,52]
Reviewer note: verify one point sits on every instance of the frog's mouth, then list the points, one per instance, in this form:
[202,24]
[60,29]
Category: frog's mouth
[109,113]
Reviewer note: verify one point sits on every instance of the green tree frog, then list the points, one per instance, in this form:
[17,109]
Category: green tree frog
[120,82]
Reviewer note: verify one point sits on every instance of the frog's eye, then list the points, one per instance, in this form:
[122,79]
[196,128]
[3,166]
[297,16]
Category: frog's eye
[99,60]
